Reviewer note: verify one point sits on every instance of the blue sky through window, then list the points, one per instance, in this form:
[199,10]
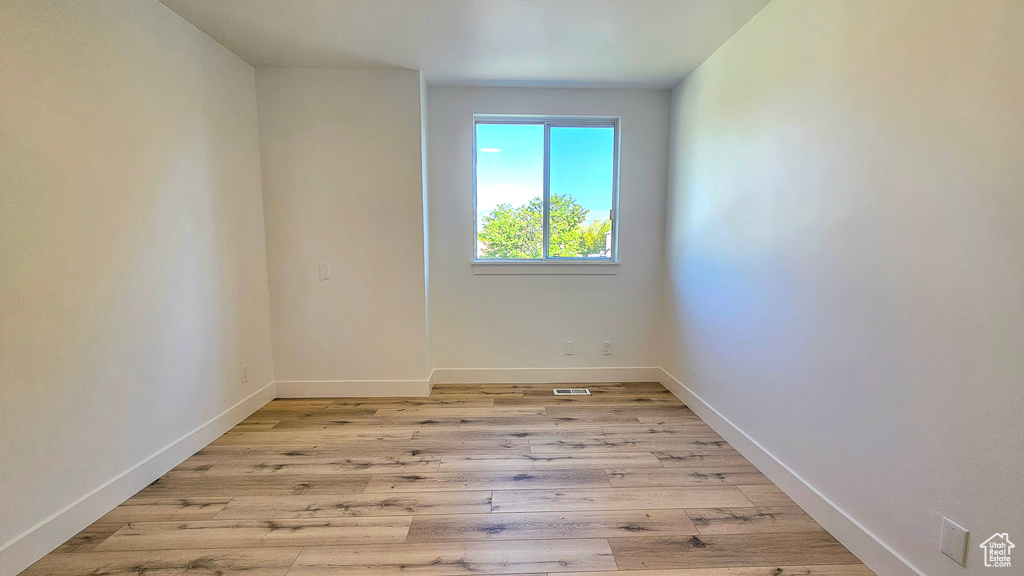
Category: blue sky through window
[510,165]
[582,159]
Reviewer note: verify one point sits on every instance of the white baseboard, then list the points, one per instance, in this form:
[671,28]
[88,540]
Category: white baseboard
[352,388]
[544,375]
[874,553]
[31,545]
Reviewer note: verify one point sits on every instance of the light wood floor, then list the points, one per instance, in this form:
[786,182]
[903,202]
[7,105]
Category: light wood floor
[476,479]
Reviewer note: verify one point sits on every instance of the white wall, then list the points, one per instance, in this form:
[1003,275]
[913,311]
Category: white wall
[846,257]
[343,185]
[132,265]
[522,321]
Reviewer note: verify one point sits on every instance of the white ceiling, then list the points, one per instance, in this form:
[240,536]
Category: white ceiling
[648,43]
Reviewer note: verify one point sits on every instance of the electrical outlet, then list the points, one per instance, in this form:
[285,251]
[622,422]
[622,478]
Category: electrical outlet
[245,373]
[953,541]
[570,347]
[325,272]
[606,348]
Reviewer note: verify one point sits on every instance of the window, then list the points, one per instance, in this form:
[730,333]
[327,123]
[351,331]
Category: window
[546,188]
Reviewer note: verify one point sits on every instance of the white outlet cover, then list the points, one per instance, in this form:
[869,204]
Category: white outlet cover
[953,542]
[570,347]
[606,347]
[325,272]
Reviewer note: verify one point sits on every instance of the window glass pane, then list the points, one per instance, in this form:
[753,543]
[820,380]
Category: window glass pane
[582,174]
[509,190]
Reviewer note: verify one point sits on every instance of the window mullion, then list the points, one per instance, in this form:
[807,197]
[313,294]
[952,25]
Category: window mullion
[546,213]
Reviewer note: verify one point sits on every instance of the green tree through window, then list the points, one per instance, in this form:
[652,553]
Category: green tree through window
[517,232]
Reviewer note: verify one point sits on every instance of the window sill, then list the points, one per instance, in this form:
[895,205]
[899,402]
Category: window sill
[549,268]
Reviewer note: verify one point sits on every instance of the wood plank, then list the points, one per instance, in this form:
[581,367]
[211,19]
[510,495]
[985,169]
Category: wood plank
[218,453]
[617,499]
[358,449]
[541,388]
[314,436]
[89,538]
[426,559]
[474,395]
[325,465]
[268,412]
[710,439]
[462,401]
[684,428]
[338,416]
[441,412]
[766,495]
[598,391]
[194,466]
[594,400]
[669,418]
[403,504]
[257,533]
[641,477]
[549,525]
[729,550]
[608,443]
[718,458]
[826,570]
[544,421]
[661,412]
[494,434]
[256,424]
[369,422]
[231,562]
[142,509]
[488,480]
[774,519]
[209,486]
[527,462]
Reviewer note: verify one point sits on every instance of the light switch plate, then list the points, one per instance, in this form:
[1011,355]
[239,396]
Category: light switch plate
[325,271]
[953,542]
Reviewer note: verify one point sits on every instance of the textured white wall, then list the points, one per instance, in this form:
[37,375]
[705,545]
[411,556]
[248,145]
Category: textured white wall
[522,321]
[343,185]
[846,256]
[133,277]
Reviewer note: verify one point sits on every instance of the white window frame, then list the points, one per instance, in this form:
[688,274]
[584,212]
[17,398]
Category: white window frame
[537,265]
